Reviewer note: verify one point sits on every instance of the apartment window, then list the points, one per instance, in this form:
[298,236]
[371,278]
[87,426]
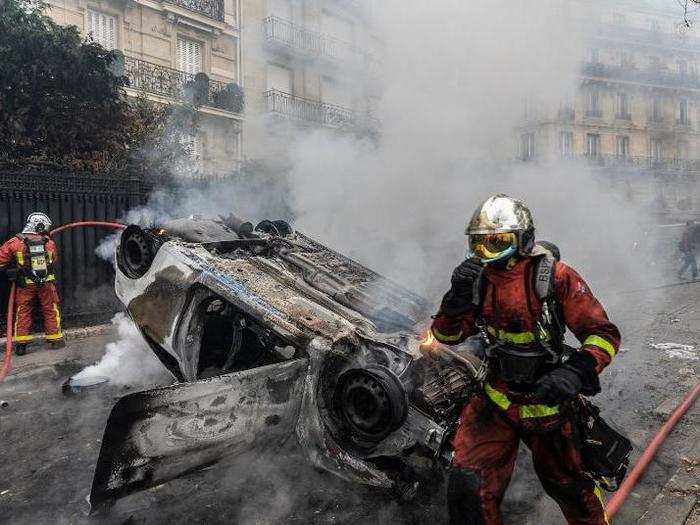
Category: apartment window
[623,106]
[656,109]
[337,27]
[102,28]
[683,112]
[189,55]
[682,67]
[654,63]
[279,78]
[654,25]
[619,19]
[594,55]
[682,151]
[336,92]
[656,148]
[192,144]
[566,143]
[593,109]
[527,146]
[623,146]
[624,58]
[280,8]
[592,144]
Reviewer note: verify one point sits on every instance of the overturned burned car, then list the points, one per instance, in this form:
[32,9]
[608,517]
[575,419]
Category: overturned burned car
[269,334]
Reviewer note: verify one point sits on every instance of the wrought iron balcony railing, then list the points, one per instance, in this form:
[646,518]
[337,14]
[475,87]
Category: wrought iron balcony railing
[197,89]
[646,163]
[211,8]
[594,113]
[623,116]
[300,39]
[656,76]
[302,109]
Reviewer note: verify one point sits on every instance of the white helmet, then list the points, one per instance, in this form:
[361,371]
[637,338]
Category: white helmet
[500,227]
[37,222]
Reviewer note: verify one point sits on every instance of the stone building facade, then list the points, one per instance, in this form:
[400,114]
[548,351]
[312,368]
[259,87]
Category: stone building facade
[174,51]
[307,64]
[636,109]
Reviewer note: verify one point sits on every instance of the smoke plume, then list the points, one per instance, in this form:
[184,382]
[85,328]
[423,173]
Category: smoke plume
[128,361]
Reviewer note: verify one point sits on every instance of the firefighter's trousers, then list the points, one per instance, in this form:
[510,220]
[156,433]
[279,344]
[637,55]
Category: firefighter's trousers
[486,445]
[47,297]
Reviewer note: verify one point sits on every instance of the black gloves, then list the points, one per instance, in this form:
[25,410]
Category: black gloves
[464,276]
[459,298]
[575,376]
[11,274]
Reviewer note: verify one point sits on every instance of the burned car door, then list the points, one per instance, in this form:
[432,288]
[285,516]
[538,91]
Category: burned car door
[157,435]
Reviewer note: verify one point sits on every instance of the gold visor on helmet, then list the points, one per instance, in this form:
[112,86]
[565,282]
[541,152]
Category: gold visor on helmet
[493,246]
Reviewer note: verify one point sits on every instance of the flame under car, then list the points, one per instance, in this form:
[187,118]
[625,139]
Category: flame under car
[269,334]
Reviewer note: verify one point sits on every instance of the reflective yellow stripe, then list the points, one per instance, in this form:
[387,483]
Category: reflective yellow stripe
[58,317]
[497,397]
[19,255]
[519,338]
[599,495]
[54,337]
[14,328]
[23,338]
[538,411]
[446,338]
[595,340]
[525,411]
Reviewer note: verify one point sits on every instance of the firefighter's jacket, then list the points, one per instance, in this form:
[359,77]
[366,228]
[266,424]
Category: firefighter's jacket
[14,253]
[511,310]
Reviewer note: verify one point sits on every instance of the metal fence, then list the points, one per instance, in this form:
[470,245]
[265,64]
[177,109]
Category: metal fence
[85,280]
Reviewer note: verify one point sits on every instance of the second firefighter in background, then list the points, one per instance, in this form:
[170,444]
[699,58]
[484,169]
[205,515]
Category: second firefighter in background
[493,293]
[29,259]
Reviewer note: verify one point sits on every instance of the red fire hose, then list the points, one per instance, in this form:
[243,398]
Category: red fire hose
[621,495]
[98,224]
[7,364]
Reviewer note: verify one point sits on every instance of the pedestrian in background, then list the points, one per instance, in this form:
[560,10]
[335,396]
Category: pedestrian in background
[687,247]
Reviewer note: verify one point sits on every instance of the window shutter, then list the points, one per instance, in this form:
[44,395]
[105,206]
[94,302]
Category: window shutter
[189,56]
[102,27]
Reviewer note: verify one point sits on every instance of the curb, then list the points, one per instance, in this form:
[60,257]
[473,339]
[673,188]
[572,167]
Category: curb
[71,334]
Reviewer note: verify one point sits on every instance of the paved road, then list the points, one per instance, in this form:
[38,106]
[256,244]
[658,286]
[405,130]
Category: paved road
[50,443]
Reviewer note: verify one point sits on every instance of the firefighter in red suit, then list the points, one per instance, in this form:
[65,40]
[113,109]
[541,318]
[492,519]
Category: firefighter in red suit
[29,258]
[528,385]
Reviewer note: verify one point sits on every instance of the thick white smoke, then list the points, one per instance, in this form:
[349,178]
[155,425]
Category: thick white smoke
[128,361]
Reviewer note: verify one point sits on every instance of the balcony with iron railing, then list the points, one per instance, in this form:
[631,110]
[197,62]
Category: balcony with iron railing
[299,39]
[303,109]
[652,75]
[316,112]
[643,162]
[209,8]
[196,89]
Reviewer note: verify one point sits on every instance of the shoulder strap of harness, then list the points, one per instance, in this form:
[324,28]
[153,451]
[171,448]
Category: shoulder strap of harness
[543,276]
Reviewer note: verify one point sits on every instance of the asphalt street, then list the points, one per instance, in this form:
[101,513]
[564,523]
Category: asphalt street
[49,443]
